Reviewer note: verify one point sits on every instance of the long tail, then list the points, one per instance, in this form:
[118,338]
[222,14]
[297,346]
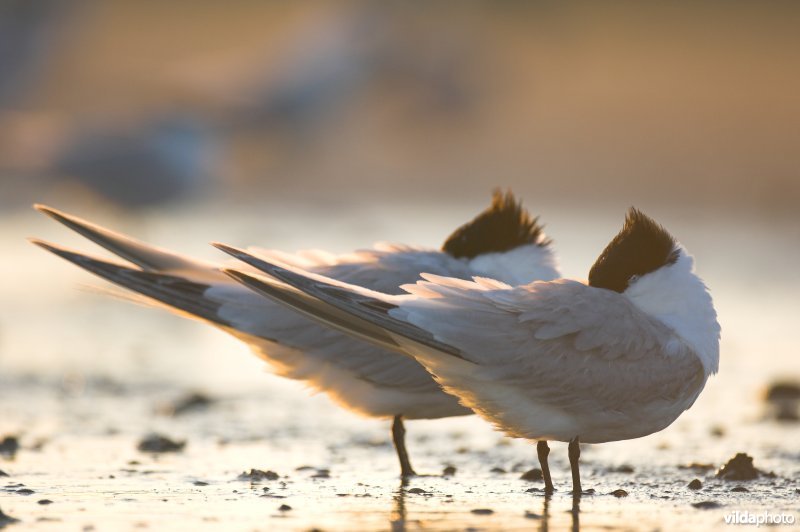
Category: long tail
[145,256]
[352,309]
[177,292]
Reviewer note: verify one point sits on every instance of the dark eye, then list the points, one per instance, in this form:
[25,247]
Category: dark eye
[633,278]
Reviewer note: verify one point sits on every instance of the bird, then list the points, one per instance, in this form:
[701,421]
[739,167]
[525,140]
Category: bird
[617,357]
[504,240]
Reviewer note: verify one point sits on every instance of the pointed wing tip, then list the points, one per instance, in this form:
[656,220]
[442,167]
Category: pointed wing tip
[41,243]
[241,277]
[59,216]
[54,249]
[230,250]
[49,211]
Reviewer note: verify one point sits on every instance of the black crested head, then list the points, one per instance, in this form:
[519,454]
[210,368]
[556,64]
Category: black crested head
[642,246]
[503,226]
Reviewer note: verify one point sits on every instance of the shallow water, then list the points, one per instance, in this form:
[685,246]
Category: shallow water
[83,375]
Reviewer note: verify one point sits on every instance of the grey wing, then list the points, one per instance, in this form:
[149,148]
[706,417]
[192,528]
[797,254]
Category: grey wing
[561,342]
[387,267]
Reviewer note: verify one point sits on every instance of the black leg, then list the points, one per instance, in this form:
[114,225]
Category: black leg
[543,450]
[574,455]
[399,437]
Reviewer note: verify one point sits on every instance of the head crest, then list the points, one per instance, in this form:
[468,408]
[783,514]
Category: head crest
[505,225]
[642,246]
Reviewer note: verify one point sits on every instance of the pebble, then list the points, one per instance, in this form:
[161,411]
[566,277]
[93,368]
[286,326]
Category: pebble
[44,502]
[533,475]
[740,467]
[695,484]
[417,491]
[482,511]
[6,519]
[619,493]
[9,446]
[256,474]
[740,489]
[497,470]
[156,443]
[284,508]
[449,471]
[3,473]
[191,402]
[25,491]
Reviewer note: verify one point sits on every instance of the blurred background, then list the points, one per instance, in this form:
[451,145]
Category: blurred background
[336,124]
[692,104]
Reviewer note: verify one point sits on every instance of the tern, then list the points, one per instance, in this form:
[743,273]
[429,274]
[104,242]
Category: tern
[503,241]
[618,357]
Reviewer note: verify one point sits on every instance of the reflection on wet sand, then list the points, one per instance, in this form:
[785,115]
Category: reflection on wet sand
[397,520]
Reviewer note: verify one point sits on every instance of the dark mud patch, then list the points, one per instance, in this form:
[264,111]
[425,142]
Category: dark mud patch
[698,466]
[624,468]
[741,467]
[156,443]
[706,505]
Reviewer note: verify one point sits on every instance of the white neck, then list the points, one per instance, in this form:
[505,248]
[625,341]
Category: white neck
[518,266]
[676,296]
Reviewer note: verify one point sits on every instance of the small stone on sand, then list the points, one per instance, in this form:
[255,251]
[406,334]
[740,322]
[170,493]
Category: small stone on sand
[255,475]
[156,443]
[482,511]
[449,471]
[533,475]
[6,519]
[9,446]
[619,493]
[44,502]
[284,508]
[192,402]
[695,484]
[740,467]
